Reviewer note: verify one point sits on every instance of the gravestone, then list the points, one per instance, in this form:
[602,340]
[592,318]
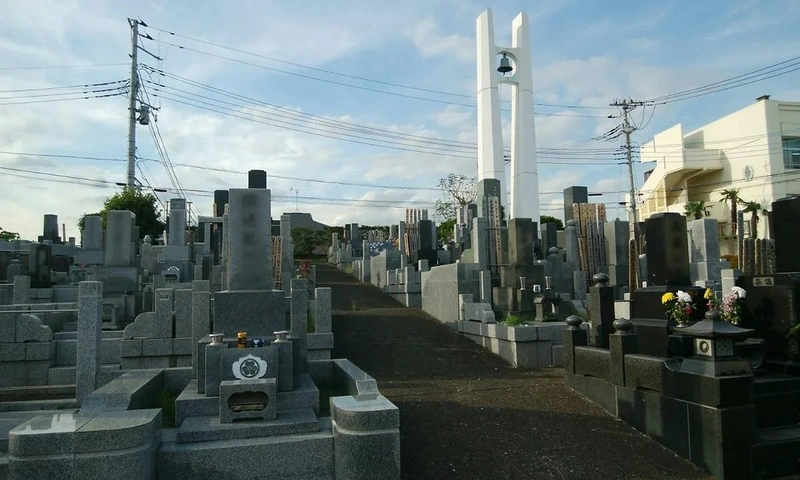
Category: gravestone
[249,302]
[486,189]
[574,195]
[50,229]
[92,233]
[704,251]
[119,235]
[617,234]
[667,238]
[176,235]
[785,215]
[668,271]
[549,232]
[257,179]
[90,320]
[220,201]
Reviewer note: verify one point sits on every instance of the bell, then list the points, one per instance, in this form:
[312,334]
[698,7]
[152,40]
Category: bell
[505,65]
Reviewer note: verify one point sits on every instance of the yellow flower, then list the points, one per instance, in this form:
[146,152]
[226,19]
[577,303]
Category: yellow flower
[667,297]
[709,294]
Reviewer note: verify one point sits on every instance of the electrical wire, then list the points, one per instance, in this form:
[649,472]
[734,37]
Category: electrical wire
[761,74]
[344,75]
[46,67]
[294,115]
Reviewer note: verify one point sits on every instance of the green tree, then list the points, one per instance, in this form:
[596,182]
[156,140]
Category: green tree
[305,241]
[6,235]
[698,209]
[457,190]
[731,195]
[548,219]
[753,208]
[445,229]
[143,205]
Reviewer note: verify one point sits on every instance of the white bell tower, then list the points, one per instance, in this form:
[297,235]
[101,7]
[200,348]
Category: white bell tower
[514,69]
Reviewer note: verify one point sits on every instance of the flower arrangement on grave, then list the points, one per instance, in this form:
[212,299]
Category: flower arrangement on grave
[730,307]
[678,306]
[305,269]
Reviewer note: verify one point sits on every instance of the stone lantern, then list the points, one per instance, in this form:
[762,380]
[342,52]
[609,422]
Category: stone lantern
[713,347]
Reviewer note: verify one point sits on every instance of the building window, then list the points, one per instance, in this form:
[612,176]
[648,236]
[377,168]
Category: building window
[791,153]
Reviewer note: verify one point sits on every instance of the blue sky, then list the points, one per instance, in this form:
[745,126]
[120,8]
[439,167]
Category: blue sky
[585,53]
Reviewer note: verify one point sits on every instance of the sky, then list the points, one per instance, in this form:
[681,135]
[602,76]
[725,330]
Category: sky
[355,109]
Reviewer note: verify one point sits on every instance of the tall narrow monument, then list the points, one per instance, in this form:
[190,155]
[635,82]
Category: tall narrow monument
[514,69]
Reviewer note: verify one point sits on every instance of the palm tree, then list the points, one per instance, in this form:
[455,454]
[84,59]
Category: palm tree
[731,195]
[753,208]
[699,209]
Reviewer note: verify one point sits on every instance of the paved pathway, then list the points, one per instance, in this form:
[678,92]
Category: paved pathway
[465,413]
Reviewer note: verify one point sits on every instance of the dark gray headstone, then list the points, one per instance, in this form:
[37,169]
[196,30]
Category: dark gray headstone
[521,237]
[257,179]
[487,188]
[50,230]
[426,239]
[667,238]
[220,200]
[574,195]
[785,213]
[549,235]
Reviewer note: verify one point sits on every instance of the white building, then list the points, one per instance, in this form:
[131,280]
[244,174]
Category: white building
[755,150]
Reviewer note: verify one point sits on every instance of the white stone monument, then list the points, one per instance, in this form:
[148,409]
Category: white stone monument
[516,61]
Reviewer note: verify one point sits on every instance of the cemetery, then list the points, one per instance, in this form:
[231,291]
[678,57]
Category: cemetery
[123,355]
[210,352]
[717,383]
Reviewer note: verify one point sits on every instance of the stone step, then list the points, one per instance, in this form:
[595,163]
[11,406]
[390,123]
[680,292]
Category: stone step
[776,452]
[70,327]
[777,400]
[783,366]
[11,420]
[209,428]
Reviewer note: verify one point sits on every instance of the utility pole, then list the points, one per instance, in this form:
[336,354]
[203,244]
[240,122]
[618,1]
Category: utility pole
[627,128]
[144,111]
[131,181]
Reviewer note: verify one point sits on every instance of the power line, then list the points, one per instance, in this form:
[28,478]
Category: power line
[82,86]
[343,75]
[68,97]
[764,73]
[293,114]
[61,94]
[46,67]
[200,104]
[374,90]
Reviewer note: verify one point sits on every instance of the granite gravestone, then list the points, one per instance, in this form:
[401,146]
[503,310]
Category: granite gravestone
[668,271]
[249,303]
[773,301]
[257,179]
[785,215]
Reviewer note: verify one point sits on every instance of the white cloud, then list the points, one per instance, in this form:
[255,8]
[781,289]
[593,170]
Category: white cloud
[427,36]
[585,70]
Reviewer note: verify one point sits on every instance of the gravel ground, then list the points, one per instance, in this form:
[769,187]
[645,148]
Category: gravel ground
[465,413]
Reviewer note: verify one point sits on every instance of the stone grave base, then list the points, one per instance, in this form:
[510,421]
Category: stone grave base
[538,345]
[408,295]
[300,455]
[191,404]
